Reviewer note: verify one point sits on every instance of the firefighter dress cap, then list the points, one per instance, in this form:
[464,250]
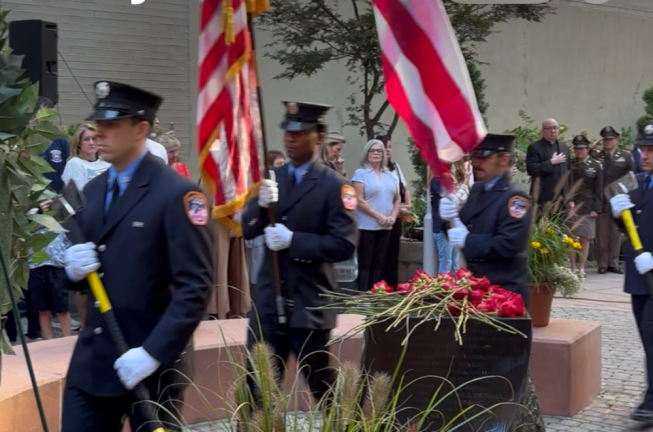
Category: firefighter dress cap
[119,101]
[609,132]
[494,143]
[580,141]
[646,136]
[301,116]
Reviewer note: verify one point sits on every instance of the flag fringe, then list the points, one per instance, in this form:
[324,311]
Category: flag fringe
[222,212]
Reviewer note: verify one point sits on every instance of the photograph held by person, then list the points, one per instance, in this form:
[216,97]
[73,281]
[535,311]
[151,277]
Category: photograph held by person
[316,227]
[172,145]
[378,209]
[331,152]
[496,219]
[640,202]
[148,236]
[390,271]
[547,162]
[587,181]
[616,164]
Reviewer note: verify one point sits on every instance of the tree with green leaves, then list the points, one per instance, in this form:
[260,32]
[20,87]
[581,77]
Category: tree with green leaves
[23,137]
[306,36]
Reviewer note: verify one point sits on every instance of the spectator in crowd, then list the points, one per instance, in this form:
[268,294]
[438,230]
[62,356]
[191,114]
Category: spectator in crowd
[616,163]
[256,246]
[84,163]
[56,154]
[587,180]
[378,209]
[172,144]
[47,284]
[547,162]
[331,152]
[390,271]
[275,158]
[154,147]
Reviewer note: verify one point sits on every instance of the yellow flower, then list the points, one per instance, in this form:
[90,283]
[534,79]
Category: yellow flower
[544,250]
[550,231]
[576,245]
[568,240]
[536,245]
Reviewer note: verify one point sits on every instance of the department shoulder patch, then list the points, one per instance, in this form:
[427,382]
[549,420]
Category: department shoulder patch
[197,208]
[349,198]
[518,206]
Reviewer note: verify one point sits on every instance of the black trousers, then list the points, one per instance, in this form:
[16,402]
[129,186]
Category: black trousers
[309,347]
[372,251]
[85,412]
[643,311]
[390,272]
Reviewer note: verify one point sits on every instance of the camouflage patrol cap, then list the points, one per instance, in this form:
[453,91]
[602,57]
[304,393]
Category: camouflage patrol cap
[580,141]
[609,132]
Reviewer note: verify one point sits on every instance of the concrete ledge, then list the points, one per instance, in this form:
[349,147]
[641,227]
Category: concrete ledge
[566,365]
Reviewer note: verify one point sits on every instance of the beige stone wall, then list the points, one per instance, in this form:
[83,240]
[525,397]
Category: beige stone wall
[145,45]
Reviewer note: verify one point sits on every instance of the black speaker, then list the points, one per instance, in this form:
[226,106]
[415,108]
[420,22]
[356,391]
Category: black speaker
[37,41]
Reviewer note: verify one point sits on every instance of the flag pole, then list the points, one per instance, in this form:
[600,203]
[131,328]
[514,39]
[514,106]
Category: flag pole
[428,253]
[281,310]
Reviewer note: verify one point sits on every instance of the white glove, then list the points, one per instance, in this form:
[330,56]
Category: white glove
[268,191]
[278,237]
[134,366]
[447,209]
[81,260]
[644,262]
[619,203]
[458,236]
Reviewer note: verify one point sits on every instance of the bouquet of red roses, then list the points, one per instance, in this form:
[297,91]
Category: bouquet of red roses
[458,296]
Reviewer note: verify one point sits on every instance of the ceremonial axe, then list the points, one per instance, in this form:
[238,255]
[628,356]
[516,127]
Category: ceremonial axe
[624,185]
[65,206]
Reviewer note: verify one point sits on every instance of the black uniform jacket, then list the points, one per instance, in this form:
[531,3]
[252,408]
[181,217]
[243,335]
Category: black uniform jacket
[324,233]
[544,173]
[587,180]
[643,217]
[157,269]
[499,223]
[615,166]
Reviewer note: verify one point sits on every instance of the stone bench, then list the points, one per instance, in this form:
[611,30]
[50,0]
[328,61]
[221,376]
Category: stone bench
[565,364]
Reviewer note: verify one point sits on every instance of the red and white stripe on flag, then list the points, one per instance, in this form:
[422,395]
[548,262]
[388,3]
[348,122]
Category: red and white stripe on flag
[228,121]
[427,81]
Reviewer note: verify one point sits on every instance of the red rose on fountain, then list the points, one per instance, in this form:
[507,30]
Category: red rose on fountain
[488,305]
[405,288]
[420,275]
[460,293]
[476,297]
[482,284]
[461,273]
[454,309]
[381,288]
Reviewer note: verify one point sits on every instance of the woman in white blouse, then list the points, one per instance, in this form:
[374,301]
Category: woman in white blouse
[84,163]
[378,208]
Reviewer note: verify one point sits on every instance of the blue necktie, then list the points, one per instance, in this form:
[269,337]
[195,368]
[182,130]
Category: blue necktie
[649,181]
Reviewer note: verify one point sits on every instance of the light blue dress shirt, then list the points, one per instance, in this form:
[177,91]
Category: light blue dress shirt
[299,171]
[123,178]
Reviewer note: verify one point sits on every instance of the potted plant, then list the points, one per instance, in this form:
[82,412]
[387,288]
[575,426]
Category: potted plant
[551,243]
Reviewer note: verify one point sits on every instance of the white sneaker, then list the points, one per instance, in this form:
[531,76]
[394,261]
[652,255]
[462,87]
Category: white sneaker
[75,325]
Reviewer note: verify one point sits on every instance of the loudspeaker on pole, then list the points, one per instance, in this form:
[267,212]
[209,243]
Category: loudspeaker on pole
[37,40]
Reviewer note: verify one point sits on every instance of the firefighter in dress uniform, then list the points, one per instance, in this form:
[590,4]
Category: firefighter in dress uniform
[496,219]
[640,202]
[587,181]
[616,164]
[316,228]
[147,235]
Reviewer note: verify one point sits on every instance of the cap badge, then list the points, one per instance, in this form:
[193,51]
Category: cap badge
[102,90]
[292,108]
[140,112]
[648,130]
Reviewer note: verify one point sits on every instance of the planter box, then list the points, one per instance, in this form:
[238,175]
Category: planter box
[433,355]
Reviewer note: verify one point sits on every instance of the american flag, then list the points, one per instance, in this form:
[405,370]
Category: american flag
[228,120]
[427,81]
